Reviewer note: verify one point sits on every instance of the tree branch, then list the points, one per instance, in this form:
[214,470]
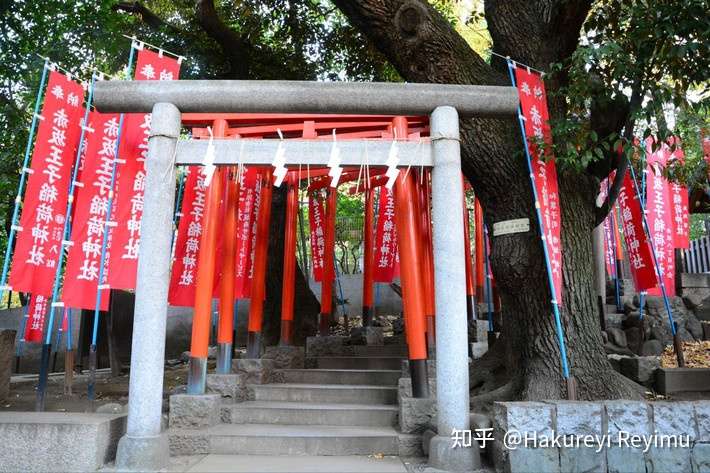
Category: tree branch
[147,16]
[234,46]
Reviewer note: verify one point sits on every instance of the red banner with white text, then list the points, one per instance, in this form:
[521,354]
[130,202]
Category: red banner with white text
[91,205]
[37,309]
[659,217]
[130,183]
[643,272]
[385,238]
[679,201]
[533,105]
[316,220]
[41,226]
[187,245]
[249,198]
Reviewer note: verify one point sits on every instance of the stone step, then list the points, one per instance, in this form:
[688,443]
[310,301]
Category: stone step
[342,393]
[359,362]
[297,464]
[341,376]
[266,439]
[380,350]
[302,413]
[612,309]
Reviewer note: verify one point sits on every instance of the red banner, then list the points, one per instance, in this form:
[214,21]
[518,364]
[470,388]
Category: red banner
[39,240]
[316,220]
[37,309]
[249,198]
[533,104]
[679,202]
[385,238]
[609,258]
[705,141]
[187,246]
[637,245]
[130,184]
[91,205]
[659,218]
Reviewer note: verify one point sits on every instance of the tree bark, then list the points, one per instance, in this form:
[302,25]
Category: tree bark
[424,47]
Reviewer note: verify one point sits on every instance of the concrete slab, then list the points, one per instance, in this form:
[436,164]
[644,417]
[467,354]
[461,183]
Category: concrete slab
[674,380]
[58,441]
[345,393]
[297,464]
[306,413]
[341,376]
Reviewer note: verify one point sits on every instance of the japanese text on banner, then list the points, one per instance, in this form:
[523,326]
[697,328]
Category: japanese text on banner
[386,249]
[130,184]
[88,225]
[637,246]
[39,240]
[533,104]
[316,220]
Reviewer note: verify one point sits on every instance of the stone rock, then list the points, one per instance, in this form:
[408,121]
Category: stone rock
[331,345]
[706,330]
[410,445]
[630,306]
[640,369]
[257,371]
[398,326]
[231,386]
[701,457]
[416,414]
[526,418]
[633,338]
[694,327]
[480,421]
[652,348]
[702,416]
[110,408]
[478,349]
[605,337]
[212,353]
[286,357]
[188,411]
[617,337]
[615,361]
[7,354]
[657,318]
[185,356]
[614,320]
[616,350]
[367,336]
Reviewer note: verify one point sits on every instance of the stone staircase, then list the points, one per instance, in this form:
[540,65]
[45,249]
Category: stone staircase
[339,406]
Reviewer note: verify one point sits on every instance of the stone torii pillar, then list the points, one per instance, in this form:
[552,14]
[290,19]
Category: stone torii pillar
[145,447]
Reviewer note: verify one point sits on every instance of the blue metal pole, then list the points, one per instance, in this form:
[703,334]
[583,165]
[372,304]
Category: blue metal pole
[21,186]
[104,243]
[66,234]
[550,280]
[489,289]
[642,294]
[612,221]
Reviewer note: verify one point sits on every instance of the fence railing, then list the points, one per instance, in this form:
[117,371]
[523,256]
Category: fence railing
[696,259]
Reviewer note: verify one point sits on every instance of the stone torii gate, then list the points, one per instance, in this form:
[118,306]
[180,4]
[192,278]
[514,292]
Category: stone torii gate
[145,447]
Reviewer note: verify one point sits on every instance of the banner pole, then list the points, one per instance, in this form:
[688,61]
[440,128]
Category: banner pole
[21,185]
[571,387]
[642,295]
[677,345]
[488,288]
[20,345]
[66,234]
[69,358]
[104,243]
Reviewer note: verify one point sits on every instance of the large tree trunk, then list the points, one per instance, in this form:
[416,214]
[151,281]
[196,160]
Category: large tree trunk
[425,48]
[306,307]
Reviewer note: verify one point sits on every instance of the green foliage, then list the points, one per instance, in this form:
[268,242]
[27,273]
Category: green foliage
[635,58]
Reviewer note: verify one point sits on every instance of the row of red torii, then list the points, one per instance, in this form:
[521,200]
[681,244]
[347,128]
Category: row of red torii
[144,447]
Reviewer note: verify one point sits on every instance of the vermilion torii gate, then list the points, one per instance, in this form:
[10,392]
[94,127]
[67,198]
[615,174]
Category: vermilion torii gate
[144,447]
